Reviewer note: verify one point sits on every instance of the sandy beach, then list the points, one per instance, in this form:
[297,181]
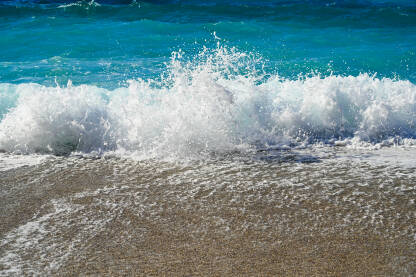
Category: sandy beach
[75,216]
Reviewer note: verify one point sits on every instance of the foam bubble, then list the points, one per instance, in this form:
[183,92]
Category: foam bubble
[219,103]
[55,120]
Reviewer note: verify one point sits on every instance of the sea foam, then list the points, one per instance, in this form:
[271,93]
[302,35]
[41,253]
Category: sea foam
[216,104]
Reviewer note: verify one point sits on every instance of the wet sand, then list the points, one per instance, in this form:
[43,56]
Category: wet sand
[73,216]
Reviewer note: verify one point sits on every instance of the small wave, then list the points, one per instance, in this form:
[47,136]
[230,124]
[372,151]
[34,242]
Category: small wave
[81,4]
[218,103]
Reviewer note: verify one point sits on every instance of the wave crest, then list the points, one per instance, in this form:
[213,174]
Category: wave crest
[218,103]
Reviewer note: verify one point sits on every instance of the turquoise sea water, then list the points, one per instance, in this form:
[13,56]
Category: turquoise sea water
[204,75]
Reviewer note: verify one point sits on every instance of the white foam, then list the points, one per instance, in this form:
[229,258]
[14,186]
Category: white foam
[8,161]
[402,157]
[82,4]
[218,103]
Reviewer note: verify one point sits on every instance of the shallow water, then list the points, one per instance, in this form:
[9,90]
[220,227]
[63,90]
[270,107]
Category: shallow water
[83,215]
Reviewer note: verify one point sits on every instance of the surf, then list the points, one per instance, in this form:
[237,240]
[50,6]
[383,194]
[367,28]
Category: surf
[218,103]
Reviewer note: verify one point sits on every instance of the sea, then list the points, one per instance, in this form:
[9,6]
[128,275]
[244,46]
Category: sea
[196,137]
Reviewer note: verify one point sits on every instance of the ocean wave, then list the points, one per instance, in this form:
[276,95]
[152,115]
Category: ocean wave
[82,4]
[218,103]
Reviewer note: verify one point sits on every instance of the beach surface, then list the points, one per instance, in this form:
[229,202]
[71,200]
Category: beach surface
[290,213]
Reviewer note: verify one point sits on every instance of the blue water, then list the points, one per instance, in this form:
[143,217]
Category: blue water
[103,46]
[108,42]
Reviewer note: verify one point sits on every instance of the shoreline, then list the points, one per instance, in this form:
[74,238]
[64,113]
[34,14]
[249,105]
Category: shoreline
[79,216]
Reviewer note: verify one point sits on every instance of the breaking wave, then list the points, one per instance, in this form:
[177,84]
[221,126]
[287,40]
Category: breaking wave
[218,103]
